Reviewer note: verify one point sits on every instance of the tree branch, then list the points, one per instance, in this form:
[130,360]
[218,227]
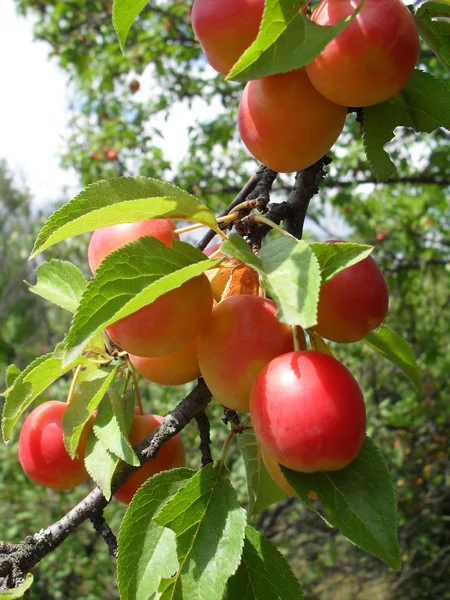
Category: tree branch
[17,559]
[203,426]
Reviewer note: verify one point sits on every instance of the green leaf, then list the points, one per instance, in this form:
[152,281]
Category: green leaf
[209,526]
[124,15]
[29,384]
[432,20]
[121,200]
[359,500]
[83,404]
[423,104]
[147,551]
[290,273]
[393,347]
[334,258]
[19,591]
[128,279]
[12,373]
[292,278]
[264,573]
[111,430]
[61,282]
[286,41]
[236,247]
[100,464]
[262,490]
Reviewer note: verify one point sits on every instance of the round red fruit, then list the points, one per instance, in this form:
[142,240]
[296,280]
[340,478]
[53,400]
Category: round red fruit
[353,303]
[308,412]
[241,337]
[372,59]
[42,453]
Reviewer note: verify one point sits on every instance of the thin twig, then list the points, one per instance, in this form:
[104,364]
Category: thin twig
[17,560]
[203,426]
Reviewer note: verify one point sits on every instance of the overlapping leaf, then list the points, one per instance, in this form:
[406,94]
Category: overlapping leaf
[128,279]
[121,200]
[393,347]
[433,24]
[29,384]
[61,282]
[334,258]
[100,463]
[262,491]
[147,551]
[209,526]
[286,41]
[290,273]
[359,500]
[263,573]
[83,404]
[111,427]
[423,104]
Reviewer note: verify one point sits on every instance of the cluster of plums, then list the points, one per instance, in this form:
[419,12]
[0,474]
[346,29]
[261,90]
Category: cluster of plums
[290,120]
[306,408]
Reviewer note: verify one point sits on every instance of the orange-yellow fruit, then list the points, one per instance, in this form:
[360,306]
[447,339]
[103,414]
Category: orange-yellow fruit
[241,337]
[225,29]
[372,59]
[285,123]
[167,324]
[173,369]
[273,468]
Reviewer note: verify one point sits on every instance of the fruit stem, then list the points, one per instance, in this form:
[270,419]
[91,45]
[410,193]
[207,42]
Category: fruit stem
[73,384]
[224,451]
[266,221]
[136,385]
[298,336]
[232,217]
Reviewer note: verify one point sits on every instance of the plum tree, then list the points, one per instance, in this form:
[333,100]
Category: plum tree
[308,412]
[167,324]
[107,239]
[174,369]
[241,337]
[285,123]
[372,59]
[170,456]
[42,453]
[352,303]
[225,29]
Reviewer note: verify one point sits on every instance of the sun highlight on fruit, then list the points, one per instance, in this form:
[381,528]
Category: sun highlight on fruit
[308,412]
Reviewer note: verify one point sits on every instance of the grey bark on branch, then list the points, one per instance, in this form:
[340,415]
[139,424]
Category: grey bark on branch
[16,560]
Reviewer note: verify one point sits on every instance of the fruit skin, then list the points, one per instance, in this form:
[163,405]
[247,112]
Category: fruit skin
[170,456]
[308,412]
[168,323]
[352,303]
[241,337]
[107,239]
[372,59]
[173,369]
[285,123]
[219,276]
[225,29]
[42,453]
[273,468]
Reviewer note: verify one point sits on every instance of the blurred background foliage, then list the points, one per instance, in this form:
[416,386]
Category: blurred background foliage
[117,131]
